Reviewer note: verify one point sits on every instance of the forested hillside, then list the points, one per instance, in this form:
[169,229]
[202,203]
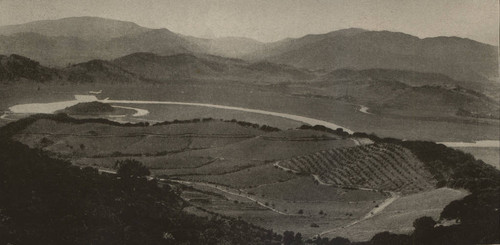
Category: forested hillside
[48,201]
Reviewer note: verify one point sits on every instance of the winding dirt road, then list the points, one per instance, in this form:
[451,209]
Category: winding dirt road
[227,190]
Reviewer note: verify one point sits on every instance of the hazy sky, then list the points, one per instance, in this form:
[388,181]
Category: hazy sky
[271,20]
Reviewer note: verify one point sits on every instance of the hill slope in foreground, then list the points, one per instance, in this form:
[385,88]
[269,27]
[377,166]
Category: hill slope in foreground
[310,180]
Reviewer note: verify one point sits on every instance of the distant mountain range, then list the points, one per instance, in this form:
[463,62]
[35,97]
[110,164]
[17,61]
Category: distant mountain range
[81,39]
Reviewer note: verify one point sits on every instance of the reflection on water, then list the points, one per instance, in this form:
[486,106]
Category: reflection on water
[50,107]
[480,143]
[138,112]
[55,106]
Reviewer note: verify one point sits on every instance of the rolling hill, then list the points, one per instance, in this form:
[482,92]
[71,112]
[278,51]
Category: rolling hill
[15,67]
[232,47]
[87,28]
[407,92]
[458,58]
[206,67]
[99,71]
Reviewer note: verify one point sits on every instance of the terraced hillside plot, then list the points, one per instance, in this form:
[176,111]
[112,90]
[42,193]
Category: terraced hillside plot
[301,204]
[246,177]
[231,157]
[208,147]
[376,166]
[103,140]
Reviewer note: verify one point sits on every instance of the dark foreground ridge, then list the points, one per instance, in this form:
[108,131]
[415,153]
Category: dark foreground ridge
[48,201]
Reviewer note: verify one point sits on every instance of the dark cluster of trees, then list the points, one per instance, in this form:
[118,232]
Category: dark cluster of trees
[195,120]
[321,128]
[93,107]
[265,128]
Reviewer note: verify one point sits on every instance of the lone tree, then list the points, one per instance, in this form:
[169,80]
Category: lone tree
[131,168]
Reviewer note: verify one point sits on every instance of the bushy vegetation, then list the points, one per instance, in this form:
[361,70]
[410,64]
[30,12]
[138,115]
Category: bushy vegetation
[48,201]
[93,107]
[131,168]
[265,128]
[338,131]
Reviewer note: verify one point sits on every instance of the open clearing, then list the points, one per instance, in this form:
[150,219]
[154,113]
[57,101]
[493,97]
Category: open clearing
[398,217]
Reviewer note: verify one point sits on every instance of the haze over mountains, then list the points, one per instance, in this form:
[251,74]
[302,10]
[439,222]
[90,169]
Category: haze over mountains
[382,69]
[80,39]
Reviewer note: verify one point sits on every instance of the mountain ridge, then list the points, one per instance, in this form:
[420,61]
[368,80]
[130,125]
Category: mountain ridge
[77,27]
[99,38]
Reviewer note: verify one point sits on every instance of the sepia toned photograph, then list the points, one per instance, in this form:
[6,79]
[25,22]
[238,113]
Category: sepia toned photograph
[252,122]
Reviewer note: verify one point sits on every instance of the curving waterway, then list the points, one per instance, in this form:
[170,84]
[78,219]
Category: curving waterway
[480,143]
[56,106]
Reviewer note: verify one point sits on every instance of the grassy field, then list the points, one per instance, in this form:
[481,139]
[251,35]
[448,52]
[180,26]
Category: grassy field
[398,217]
[325,207]
[212,147]
[246,177]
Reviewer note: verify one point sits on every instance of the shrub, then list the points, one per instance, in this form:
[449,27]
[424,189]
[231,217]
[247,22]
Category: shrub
[131,168]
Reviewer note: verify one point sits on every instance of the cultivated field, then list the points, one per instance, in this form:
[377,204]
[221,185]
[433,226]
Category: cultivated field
[374,166]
